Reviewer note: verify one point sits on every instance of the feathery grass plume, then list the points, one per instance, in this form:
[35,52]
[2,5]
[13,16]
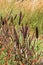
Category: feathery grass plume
[16,38]
[15,16]
[37,32]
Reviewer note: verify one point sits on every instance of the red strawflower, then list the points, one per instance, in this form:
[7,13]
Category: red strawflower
[3,49]
[22,64]
[35,60]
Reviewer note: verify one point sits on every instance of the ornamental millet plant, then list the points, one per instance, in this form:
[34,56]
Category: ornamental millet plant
[26,53]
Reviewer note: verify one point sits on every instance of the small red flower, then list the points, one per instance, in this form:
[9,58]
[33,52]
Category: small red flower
[35,60]
[2,49]
[22,64]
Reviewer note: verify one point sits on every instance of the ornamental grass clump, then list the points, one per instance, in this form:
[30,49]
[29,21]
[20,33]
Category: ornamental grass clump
[19,52]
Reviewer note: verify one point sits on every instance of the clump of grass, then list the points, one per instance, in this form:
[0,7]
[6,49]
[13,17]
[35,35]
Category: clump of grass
[27,53]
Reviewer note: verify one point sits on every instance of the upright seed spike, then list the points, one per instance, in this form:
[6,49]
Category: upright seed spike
[26,29]
[15,16]
[37,32]
[20,18]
